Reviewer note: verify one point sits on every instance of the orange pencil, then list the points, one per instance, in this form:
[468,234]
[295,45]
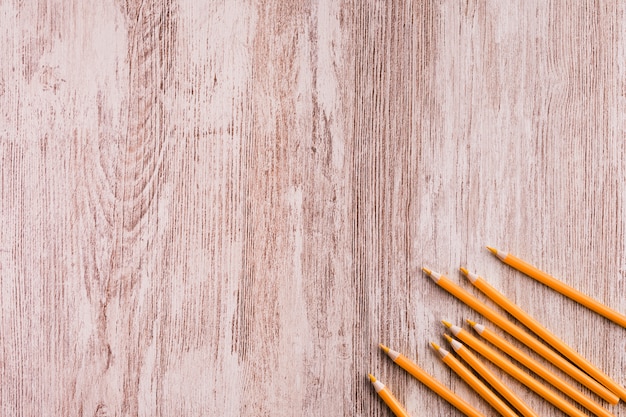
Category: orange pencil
[471,380]
[523,337]
[440,389]
[491,378]
[537,368]
[388,397]
[544,333]
[559,286]
[523,377]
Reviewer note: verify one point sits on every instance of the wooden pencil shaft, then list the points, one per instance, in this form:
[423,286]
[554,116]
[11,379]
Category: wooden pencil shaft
[564,289]
[527,339]
[543,372]
[548,336]
[393,403]
[478,386]
[388,397]
[495,382]
[436,386]
[518,374]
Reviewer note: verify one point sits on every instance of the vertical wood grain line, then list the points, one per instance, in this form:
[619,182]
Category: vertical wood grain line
[394,49]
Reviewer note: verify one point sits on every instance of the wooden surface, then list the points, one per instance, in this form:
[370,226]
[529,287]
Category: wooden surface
[221,208]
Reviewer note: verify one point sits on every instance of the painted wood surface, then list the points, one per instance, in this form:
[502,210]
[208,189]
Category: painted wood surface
[221,208]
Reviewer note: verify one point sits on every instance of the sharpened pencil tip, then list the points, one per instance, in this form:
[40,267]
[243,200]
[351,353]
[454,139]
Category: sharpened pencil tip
[446,323]
[471,277]
[471,322]
[372,378]
[435,276]
[448,338]
[384,348]
[493,250]
[435,345]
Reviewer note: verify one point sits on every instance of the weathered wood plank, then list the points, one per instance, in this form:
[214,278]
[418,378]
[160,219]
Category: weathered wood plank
[221,208]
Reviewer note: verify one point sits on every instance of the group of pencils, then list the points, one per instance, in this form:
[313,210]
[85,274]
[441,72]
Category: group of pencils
[494,391]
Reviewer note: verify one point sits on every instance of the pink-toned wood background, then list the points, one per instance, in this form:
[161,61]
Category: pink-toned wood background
[221,207]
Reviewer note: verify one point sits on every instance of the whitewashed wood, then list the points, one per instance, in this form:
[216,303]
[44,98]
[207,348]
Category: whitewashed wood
[221,208]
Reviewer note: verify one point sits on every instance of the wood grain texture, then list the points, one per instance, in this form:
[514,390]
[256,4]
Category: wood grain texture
[221,208]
